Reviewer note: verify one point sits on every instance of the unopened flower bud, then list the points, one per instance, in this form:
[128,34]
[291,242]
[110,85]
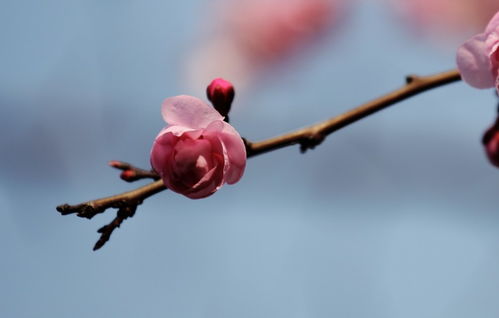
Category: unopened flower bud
[491,142]
[128,175]
[221,94]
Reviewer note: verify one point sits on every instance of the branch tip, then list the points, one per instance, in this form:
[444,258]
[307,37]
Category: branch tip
[131,173]
[108,229]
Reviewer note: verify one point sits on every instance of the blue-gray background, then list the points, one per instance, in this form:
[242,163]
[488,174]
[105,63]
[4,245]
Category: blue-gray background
[395,216]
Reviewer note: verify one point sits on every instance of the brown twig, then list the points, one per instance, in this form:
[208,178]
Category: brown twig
[106,231]
[311,136]
[131,173]
[307,138]
[135,197]
[126,203]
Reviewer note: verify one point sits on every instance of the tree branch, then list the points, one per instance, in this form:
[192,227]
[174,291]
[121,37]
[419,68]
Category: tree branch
[307,138]
[126,203]
[135,197]
[311,136]
[131,173]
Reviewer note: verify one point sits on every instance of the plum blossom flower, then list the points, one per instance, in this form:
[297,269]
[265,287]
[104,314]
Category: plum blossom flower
[197,152]
[250,37]
[446,20]
[270,30]
[478,58]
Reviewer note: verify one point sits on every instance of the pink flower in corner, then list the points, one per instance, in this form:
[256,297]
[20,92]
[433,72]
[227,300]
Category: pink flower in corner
[197,152]
[478,58]
[445,21]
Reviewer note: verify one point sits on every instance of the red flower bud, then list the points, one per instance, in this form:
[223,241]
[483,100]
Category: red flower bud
[128,175]
[221,94]
[491,142]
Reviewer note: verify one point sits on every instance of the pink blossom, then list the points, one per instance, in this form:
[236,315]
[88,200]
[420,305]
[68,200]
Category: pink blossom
[445,19]
[250,37]
[271,30]
[197,152]
[478,58]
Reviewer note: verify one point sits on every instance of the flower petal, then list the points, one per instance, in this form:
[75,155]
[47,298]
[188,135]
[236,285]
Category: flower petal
[175,130]
[192,160]
[236,152]
[493,24]
[212,133]
[188,111]
[474,64]
[162,148]
[208,185]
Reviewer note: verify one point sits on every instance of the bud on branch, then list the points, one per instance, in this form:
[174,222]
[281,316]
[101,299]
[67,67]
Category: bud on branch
[221,94]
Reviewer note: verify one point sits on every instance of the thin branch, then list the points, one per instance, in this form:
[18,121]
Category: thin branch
[126,203]
[90,209]
[307,138]
[311,136]
[107,230]
[131,173]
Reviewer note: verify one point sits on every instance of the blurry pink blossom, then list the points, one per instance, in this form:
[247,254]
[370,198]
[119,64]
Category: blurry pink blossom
[478,58]
[268,30]
[197,152]
[253,35]
[444,18]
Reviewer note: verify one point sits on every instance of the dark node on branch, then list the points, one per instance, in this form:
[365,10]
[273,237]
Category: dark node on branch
[83,210]
[131,173]
[91,208]
[412,78]
[311,141]
[106,231]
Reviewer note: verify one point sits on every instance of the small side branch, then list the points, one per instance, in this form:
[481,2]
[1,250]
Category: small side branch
[131,173]
[106,231]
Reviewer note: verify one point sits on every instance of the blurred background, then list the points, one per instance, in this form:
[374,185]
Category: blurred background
[394,216]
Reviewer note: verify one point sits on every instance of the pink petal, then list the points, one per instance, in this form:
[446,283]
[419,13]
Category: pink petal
[213,132]
[236,152]
[474,63]
[162,148]
[492,42]
[215,126]
[208,185]
[188,111]
[493,24]
[175,130]
[192,160]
